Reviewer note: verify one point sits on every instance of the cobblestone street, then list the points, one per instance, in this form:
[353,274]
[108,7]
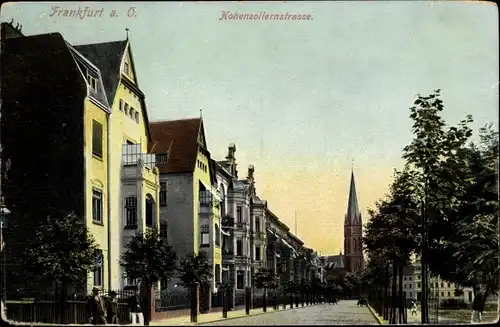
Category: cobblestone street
[346,312]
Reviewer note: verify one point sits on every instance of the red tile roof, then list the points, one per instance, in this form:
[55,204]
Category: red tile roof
[178,138]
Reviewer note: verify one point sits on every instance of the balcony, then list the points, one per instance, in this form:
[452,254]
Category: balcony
[227,222]
[227,257]
[241,259]
[260,235]
[132,155]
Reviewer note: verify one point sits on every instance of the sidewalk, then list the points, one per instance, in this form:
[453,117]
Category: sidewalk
[215,316]
[413,320]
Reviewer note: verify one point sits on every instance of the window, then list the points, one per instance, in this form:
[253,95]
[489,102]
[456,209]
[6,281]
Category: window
[161,158]
[418,276]
[449,293]
[404,294]
[405,278]
[240,282]
[163,194]
[257,224]
[98,268]
[419,296]
[217,235]
[409,285]
[121,105]
[404,286]
[418,284]
[126,68]
[437,285]
[442,284]
[217,273]
[97,139]
[442,293]
[449,286]
[163,230]
[257,253]
[97,206]
[131,211]
[239,247]
[149,212]
[205,236]
[126,109]
[239,215]
[92,82]
[409,278]
[136,117]
[411,294]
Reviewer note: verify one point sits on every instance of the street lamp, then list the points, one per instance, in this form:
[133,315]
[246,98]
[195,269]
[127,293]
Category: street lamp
[4,212]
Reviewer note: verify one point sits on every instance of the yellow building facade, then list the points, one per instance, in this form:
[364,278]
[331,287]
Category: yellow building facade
[130,193]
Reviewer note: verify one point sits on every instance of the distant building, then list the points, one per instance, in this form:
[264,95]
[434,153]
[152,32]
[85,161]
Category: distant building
[353,260]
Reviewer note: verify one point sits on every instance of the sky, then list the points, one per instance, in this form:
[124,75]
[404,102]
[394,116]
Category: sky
[303,100]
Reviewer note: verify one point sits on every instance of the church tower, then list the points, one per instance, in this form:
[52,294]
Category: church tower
[353,232]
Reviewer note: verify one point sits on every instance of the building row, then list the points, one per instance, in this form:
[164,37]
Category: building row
[76,132]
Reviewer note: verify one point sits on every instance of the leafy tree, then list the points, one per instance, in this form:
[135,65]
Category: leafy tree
[265,279]
[437,156]
[197,268]
[148,258]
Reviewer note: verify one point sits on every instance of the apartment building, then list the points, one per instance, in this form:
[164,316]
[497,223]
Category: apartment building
[79,134]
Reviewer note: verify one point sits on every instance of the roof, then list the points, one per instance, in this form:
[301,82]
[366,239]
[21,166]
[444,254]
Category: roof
[179,139]
[353,215]
[108,57]
[333,261]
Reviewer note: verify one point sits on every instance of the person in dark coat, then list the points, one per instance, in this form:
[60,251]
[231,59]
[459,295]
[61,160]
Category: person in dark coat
[112,308]
[477,307]
[134,304]
[96,308]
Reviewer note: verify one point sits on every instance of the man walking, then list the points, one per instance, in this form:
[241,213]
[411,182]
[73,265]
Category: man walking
[112,308]
[134,304]
[96,308]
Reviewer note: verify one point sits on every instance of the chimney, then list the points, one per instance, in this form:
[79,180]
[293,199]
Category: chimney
[251,170]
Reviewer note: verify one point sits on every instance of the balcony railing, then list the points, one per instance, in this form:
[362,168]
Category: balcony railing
[131,154]
[227,256]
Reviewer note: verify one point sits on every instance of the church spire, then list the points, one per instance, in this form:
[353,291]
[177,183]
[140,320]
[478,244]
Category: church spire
[353,215]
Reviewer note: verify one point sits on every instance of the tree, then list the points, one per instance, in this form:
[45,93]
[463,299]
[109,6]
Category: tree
[64,250]
[437,156]
[265,279]
[470,248]
[61,251]
[196,268]
[148,258]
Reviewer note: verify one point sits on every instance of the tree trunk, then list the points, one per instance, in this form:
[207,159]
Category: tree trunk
[393,294]
[402,306]
[386,293]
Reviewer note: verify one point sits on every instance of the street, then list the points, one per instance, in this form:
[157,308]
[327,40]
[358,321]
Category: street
[343,313]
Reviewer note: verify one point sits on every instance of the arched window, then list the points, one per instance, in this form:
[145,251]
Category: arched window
[217,235]
[149,211]
[131,211]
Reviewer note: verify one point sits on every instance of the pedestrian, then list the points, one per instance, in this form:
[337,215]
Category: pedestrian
[96,308]
[477,307]
[134,304]
[112,308]
[413,308]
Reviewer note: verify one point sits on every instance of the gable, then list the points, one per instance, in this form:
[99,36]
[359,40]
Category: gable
[127,66]
[201,135]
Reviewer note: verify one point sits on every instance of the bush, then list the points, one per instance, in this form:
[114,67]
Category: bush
[453,304]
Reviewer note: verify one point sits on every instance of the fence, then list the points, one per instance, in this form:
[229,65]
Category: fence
[47,308]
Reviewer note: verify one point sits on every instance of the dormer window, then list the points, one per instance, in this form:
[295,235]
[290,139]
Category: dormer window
[92,82]
[126,68]
[161,158]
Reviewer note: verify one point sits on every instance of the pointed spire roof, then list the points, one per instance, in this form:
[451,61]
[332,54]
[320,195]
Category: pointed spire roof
[353,215]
